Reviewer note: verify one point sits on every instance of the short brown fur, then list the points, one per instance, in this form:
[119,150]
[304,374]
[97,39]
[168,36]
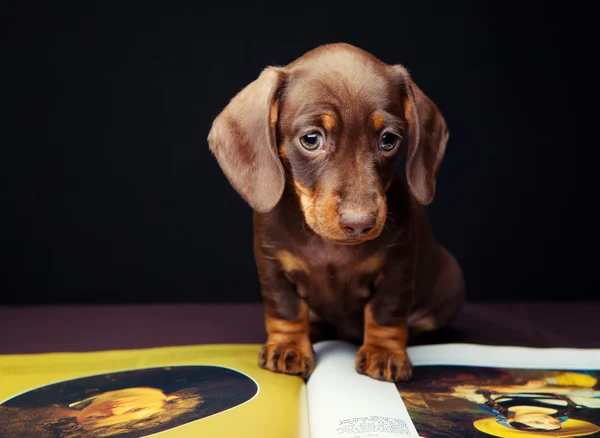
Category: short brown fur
[340,239]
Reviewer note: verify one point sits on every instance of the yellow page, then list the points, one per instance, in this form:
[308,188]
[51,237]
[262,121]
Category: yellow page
[193,391]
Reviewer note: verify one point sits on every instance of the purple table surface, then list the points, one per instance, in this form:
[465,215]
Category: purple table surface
[103,327]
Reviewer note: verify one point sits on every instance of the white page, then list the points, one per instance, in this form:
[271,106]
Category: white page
[304,424]
[505,357]
[343,403]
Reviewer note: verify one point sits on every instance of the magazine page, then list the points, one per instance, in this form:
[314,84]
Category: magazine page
[343,403]
[210,390]
[518,357]
[465,391]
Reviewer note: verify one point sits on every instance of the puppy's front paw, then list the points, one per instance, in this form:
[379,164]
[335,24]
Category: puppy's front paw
[383,364]
[287,358]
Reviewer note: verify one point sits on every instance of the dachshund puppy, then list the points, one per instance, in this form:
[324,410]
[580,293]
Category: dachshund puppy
[339,236]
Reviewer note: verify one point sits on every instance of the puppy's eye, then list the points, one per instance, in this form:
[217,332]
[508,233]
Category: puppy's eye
[311,142]
[388,142]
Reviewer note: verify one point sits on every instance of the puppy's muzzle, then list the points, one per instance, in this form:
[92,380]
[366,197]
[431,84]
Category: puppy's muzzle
[355,224]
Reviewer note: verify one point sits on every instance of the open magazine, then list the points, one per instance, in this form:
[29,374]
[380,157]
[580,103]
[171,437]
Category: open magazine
[457,390]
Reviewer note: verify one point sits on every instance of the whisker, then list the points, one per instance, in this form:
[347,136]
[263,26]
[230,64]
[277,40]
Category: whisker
[389,223]
[389,213]
[397,244]
[304,225]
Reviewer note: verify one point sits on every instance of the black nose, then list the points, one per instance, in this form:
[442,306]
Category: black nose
[355,224]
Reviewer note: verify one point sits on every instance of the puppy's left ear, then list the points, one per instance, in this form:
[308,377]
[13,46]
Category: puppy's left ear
[242,138]
[428,135]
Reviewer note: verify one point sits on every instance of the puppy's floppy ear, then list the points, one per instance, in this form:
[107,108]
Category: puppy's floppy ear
[428,135]
[242,138]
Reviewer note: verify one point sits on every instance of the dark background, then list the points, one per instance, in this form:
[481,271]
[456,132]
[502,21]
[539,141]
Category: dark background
[109,192]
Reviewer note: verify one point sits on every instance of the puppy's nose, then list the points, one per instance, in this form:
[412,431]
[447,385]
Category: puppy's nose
[356,224]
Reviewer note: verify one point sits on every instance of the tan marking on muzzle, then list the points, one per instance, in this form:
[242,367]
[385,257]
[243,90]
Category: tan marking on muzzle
[328,217]
[307,198]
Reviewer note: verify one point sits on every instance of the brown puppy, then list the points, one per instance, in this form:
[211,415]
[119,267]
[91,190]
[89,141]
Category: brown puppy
[339,236]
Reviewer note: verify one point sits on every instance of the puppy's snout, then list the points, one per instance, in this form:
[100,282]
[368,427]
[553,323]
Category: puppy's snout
[357,224]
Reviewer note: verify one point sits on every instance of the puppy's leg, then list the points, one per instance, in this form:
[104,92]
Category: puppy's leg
[383,353]
[288,348]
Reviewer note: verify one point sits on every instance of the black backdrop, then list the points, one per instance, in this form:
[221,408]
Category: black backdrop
[109,192]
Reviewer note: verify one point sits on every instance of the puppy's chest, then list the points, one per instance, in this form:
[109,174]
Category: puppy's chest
[333,279]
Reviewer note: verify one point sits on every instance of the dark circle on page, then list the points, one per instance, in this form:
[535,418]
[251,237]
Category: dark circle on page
[141,402]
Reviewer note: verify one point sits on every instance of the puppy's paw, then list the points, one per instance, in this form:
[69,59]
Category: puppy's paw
[383,364]
[287,358]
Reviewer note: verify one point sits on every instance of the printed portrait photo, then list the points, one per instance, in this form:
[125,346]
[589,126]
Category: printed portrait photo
[463,402]
[128,404]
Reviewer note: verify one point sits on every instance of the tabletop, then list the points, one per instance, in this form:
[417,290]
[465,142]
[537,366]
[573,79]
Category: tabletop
[103,327]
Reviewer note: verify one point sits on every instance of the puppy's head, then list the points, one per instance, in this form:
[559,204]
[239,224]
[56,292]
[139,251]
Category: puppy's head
[333,122]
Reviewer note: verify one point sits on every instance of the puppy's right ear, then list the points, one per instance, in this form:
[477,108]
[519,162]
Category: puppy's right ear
[243,139]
